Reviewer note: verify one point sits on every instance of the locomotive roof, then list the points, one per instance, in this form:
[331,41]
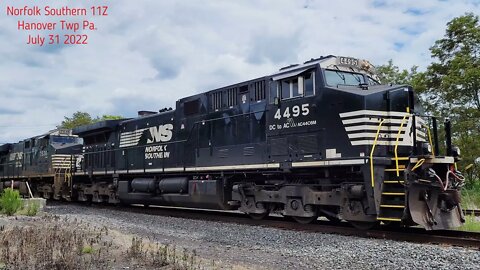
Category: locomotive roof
[98,127]
[55,132]
[327,62]
[331,62]
[5,147]
[146,116]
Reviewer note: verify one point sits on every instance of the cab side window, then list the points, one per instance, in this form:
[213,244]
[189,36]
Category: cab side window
[308,80]
[302,85]
[289,88]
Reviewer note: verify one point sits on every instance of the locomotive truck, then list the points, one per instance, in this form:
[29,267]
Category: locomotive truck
[322,138]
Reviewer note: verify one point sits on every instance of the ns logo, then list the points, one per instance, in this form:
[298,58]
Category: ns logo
[162,133]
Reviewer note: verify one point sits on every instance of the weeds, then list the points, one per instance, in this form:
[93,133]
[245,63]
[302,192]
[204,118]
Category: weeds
[51,242]
[10,201]
[87,250]
[161,255]
[29,208]
[32,208]
[471,196]
[471,224]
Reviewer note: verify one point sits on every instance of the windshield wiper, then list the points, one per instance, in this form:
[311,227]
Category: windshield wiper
[340,75]
[356,76]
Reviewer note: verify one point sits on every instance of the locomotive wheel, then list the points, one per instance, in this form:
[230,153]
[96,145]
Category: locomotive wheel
[364,225]
[257,216]
[305,220]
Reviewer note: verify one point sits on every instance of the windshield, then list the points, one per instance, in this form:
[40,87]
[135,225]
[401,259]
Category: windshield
[336,77]
[372,81]
[64,139]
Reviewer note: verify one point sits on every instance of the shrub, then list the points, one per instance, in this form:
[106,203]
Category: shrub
[10,201]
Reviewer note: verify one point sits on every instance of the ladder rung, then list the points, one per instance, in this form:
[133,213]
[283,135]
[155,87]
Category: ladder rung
[388,219]
[392,206]
[400,158]
[393,182]
[393,193]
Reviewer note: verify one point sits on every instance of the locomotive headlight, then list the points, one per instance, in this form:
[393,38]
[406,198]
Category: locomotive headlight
[456,151]
[426,148]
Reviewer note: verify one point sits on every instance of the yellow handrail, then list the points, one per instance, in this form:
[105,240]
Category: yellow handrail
[373,150]
[430,139]
[396,144]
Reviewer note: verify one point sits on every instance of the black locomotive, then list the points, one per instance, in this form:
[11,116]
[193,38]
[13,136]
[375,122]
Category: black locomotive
[323,138]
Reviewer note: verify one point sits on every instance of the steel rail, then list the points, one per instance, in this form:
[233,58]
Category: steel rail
[471,212]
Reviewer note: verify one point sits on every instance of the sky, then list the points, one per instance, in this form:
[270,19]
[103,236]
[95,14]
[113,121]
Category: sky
[147,54]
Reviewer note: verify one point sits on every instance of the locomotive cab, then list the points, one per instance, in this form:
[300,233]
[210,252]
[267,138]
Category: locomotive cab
[333,126]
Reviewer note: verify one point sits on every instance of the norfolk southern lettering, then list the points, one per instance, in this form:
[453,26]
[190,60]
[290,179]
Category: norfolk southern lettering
[47,11]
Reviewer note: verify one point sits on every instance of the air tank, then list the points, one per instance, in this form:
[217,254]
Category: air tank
[173,185]
[148,185]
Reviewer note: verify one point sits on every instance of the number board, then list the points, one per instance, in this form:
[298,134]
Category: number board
[348,61]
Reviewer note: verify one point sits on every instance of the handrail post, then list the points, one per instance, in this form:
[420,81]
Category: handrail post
[448,136]
[414,127]
[435,136]
[396,144]
[430,139]
[373,150]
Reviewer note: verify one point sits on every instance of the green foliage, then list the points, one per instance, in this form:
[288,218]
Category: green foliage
[471,194]
[456,74]
[10,201]
[87,250]
[77,119]
[84,118]
[471,224]
[453,84]
[29,208]
[391,73]
[32,209]
[450,87]
[108,117]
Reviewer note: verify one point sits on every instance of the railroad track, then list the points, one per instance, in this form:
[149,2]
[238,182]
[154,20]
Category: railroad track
[472,212]
[416,235]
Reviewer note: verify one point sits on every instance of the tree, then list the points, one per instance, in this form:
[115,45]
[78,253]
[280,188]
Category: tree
[84,118]
[455,76]
[391,73]
[108,117]
[453,82]
[77,119]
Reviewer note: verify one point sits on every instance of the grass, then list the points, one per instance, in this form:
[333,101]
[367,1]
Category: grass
[10,201]
[471,224]
[29,208]
[471,196]
[32,208]
[87,250]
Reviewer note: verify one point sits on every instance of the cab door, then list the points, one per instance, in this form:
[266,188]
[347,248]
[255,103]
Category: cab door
[293,131]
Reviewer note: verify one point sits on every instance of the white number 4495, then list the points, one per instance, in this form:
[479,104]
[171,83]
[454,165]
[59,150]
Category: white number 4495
[294,112]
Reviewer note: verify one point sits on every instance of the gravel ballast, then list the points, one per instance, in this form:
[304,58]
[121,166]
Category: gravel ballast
[236,246]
